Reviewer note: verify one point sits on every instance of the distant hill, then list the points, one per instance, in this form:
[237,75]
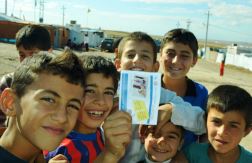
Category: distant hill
[210,43]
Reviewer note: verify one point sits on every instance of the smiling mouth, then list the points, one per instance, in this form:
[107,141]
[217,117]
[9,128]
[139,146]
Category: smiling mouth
[137,69]
[159,150]
[96,114]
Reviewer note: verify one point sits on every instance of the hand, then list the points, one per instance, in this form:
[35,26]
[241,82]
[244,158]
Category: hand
[117,131]
[164,115]
[58,159]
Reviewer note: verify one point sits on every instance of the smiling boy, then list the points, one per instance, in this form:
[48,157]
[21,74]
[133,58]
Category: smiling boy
[43,105]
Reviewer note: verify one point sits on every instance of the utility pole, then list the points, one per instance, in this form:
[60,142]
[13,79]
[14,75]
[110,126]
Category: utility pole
[41,11]
[5,7]
[63,14]
[188,22]
[205,45]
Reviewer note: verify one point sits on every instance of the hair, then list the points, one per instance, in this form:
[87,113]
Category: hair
[66,65]
[33,36]
[227,98]
[138,36]
[99,64]
[183,36]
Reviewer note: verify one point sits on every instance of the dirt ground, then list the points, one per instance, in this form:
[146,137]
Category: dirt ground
[204,72]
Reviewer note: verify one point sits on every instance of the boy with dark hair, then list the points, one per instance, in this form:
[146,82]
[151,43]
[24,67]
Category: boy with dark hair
[178,53]
[30,39]
[85,142]
[43,105]
[228,120]
[163,145]
[137,52]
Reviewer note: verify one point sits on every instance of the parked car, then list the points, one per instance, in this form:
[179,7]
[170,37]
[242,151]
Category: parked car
[107,44]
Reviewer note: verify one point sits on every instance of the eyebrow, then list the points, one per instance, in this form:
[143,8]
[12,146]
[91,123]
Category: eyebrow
[94,85]
[57,95]
[175,133]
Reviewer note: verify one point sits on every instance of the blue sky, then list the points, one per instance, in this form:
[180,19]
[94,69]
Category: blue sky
[230,20]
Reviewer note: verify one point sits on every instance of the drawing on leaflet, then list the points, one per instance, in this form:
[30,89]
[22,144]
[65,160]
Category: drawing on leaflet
[139,86]
[140,110]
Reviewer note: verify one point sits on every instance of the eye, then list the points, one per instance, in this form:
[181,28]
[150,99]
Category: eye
[145,56]
[170,54]
[72,106]
[48,99]
[111,93]
[131,56]
[89,91]
[216,122]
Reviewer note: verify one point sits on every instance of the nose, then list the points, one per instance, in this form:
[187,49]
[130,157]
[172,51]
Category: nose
[99,99]
[136,58]
[174,59]
[60,114]
[222,130]
[161,141]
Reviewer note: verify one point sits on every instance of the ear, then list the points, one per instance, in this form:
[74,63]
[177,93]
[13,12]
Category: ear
[7,102]
[195,59]
[118,64]
[248,130]
[181,143]
[156,66]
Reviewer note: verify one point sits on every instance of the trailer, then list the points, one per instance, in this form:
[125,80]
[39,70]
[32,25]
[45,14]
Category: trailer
[93,37]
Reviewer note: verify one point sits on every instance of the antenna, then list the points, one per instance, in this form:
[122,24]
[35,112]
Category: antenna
[5,7]
[41,11]
[205,45]
[188,22]
[63,14]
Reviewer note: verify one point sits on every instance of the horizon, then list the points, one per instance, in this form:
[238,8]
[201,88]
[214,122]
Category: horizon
[229,20]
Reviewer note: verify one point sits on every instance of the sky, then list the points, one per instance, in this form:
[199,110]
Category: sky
[229,20]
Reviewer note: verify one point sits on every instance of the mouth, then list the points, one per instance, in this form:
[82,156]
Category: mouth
[221,141]
[54,130]
[159,150]
[174,69]
[137,69]
[96,114]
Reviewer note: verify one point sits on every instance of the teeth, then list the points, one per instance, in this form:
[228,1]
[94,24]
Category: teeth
[96,113]
[176,69]
[137,69]
[160,150]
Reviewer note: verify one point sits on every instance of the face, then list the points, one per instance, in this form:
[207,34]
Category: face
[48,110]
[137,56]
[165,144]
[225,130]
[99,93]
[23,53]
[176,60]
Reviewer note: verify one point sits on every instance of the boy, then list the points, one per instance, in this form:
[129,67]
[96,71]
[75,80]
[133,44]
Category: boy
[163,145]
[137,52]
[178,54]
[43,102]
[30,39]
[85,142]
[228,120]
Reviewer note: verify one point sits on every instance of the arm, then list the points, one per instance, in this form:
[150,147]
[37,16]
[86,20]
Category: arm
[183,113]
[117,131]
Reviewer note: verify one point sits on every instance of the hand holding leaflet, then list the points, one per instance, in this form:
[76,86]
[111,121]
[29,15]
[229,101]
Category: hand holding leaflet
[140,95]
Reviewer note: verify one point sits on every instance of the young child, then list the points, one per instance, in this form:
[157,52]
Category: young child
[178,54]
[43,105]
[229,119]
[85,142]
[30,39]
[137,52]
[163,145]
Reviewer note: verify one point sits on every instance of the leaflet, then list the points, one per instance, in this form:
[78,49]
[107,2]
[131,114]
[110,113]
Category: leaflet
[139,95]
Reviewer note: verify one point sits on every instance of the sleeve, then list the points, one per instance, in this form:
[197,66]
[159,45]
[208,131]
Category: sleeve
[59,150]
[183,113]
